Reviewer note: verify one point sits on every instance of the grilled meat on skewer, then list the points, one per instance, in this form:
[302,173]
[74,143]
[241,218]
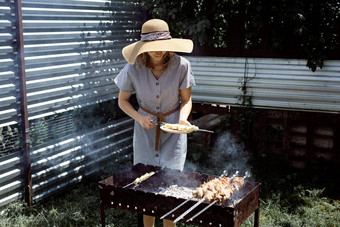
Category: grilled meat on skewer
[199,192]
[236,184]
[209,191]
[140,179]
[218,189]
[143,177]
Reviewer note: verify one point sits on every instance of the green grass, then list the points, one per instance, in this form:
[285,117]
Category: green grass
[289,198]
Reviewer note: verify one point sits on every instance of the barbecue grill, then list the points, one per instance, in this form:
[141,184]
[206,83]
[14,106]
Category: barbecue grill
[149,197]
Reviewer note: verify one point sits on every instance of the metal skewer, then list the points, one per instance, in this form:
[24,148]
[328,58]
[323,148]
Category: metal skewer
[158,123]
[128,185]
[190,198]
[235,174]
[189,210]
[198,203]
[200,212]
[171,211]
[205,130]
[194,206]
[211,204]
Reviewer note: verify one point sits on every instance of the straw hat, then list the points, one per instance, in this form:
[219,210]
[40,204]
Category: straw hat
[156,37]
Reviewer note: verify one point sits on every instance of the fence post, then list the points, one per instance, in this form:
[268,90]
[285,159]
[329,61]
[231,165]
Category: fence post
[23,103]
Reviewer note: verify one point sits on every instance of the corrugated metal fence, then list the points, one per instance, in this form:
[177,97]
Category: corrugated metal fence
[72,53]
[272,83]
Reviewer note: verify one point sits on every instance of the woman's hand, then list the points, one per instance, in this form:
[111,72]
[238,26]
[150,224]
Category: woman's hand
[146,122]
[123,102]
[184,122]
[186,105]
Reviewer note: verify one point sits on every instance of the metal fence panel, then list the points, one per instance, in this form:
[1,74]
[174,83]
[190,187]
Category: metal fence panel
[11,182]
[73,51]
[72,54]
[272,83]
[58,164]
[8,78]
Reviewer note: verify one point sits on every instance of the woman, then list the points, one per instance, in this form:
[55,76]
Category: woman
[162,81]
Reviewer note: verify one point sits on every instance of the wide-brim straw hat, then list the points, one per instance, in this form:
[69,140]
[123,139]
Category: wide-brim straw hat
[155,36]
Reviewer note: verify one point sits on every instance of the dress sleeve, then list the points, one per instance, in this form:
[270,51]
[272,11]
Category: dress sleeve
[123,79]
[187,77]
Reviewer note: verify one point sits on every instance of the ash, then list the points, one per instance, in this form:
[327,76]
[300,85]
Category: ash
[176,191]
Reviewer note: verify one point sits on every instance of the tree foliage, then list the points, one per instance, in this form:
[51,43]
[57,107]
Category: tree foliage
[313,25]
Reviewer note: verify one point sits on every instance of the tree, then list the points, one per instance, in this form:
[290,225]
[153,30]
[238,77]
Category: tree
[314,25]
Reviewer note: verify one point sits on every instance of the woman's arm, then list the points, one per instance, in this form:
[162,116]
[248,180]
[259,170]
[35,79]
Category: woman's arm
[186,105]
[124,103]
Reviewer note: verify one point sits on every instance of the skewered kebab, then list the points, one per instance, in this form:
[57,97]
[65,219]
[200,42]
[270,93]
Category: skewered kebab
[184,128]
[180,127]
[210,190]
[140,179]
[207,196]
[220,190]
[180,205]
[236,185]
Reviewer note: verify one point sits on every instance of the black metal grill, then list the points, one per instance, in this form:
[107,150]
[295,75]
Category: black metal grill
[143,199]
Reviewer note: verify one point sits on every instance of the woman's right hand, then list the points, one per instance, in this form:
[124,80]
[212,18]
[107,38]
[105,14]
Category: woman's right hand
[146,122]
[123,102]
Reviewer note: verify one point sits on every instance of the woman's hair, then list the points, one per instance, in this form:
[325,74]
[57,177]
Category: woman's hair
[145,60]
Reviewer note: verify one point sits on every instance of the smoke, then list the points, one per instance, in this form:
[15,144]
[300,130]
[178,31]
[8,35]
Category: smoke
[193,167]
[228,154]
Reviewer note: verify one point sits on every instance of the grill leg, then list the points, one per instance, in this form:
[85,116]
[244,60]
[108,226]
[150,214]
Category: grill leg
[140,220]
[257,217]
[102,214]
